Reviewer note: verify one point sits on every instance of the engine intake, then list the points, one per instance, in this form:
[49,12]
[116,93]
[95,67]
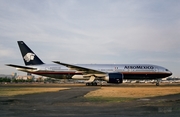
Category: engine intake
[114,78]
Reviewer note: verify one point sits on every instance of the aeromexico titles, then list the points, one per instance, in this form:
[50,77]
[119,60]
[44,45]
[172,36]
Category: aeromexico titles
[112,73]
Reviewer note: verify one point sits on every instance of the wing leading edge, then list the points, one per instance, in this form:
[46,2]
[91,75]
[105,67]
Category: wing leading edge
[22,67]
[79,68]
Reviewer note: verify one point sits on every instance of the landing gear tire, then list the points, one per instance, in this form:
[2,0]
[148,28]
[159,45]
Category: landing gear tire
[157,84]
[91,84]
[94,84]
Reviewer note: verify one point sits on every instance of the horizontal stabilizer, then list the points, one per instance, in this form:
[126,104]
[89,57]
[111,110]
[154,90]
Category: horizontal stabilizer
[18,66]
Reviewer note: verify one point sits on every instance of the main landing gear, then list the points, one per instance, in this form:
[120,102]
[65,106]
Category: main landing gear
[91,81]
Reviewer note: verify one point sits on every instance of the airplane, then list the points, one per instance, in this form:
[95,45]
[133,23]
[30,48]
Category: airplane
[112,73]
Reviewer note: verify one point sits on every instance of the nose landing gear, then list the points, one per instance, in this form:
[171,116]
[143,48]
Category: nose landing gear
[157,83]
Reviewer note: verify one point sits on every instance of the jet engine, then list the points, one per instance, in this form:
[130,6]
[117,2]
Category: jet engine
[114,78]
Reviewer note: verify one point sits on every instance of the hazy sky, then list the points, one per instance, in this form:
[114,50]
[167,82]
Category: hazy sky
[92,31]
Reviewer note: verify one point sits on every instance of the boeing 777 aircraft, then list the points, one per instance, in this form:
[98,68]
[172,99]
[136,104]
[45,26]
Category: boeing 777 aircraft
[112,73]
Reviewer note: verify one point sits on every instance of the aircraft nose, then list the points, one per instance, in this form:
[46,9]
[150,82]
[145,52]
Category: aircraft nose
[170,73]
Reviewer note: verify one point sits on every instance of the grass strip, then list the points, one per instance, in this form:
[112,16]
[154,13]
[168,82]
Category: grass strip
[22,91]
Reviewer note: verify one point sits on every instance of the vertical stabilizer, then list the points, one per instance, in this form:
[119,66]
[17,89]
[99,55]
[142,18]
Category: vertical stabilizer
[29,57]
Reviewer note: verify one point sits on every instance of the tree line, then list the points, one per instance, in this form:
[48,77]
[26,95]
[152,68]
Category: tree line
[8,80]
[14,80]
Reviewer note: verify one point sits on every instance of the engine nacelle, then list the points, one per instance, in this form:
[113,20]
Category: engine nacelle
[114,78]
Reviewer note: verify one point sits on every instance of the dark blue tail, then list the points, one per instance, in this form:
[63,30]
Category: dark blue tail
[29,57]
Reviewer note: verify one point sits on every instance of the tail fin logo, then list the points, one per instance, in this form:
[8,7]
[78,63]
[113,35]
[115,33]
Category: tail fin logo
[29,56]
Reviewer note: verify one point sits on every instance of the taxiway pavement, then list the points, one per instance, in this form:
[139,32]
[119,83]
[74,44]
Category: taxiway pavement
[68,103]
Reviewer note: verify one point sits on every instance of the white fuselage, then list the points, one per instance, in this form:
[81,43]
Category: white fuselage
[130,71]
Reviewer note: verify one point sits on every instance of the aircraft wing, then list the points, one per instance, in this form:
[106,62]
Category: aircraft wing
[23,67]
[79,68]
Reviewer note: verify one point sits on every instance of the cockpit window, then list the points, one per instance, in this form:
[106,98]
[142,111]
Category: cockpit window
[167,70]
